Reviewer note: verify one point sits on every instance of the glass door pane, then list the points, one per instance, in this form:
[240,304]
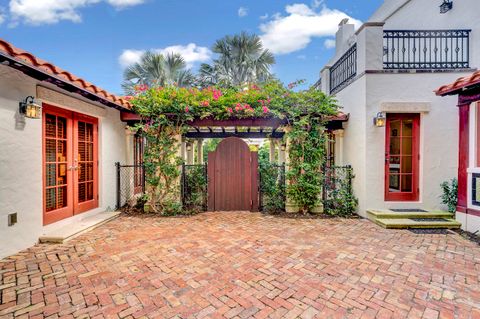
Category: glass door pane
[85,162]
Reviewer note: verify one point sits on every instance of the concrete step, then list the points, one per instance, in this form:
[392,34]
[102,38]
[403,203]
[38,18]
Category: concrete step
[389,214]
[76,228]
[417,223]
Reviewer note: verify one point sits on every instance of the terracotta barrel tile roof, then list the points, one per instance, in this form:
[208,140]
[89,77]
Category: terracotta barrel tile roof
[32,60]
[459,84]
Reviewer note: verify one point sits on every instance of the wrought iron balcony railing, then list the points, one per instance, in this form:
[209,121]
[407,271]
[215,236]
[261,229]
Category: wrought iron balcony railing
[343,70]
[426,49]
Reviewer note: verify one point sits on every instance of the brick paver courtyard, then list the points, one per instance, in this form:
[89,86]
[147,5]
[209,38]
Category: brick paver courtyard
[243,265]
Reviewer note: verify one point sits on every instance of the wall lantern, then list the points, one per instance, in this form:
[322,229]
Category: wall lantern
[30,109]
[189,147]
[379,120]
[283,147]
[446,6]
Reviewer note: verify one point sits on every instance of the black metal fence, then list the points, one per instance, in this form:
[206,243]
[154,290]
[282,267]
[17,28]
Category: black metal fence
[194,187]
[337,197]
[130,183]
[271,187]
[343,70]
[426,49]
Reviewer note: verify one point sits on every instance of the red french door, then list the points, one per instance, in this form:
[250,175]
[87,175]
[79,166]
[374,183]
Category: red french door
[70,163]
[402,157]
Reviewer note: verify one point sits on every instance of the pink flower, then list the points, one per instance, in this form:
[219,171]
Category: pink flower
[128,97]
[187,109]
[265,110]
[216,94]
[141,87]
[230,110]
[205,103]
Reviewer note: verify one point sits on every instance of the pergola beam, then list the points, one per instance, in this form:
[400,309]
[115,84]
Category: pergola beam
[204,135]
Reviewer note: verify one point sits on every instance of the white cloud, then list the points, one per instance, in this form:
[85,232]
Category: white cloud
[302,57]
[329,43]
[38,12]
[264,17]
[242,12]
[192,54]
[288,33]
[125,3]
[129,57]
[2,15]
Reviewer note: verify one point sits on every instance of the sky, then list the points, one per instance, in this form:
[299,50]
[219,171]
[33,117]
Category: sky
[97,39]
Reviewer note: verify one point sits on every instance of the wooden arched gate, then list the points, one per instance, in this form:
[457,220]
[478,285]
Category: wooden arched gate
[232,177]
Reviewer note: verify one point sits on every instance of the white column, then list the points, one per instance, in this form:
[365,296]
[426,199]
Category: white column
[281,152]
[200,151]
[338,147]
[189,153]
[272,150]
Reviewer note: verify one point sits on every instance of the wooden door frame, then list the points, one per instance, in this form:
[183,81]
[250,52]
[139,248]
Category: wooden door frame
[211,172]
[404,196]
[67,211]
[73,207]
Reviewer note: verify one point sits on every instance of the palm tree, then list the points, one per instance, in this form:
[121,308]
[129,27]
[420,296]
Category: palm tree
[156,69]
[241,60]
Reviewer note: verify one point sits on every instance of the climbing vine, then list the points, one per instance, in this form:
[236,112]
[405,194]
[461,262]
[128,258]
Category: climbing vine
[167,110]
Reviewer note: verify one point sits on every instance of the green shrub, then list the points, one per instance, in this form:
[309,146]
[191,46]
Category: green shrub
[449,194]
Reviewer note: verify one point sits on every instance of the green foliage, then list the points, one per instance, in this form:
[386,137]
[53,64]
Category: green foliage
[157,69]
[339,200]
[272,186]
[264,154]
[241,59]
[210,145]
[168,109]
[306,150]
[195,188]
[449,194]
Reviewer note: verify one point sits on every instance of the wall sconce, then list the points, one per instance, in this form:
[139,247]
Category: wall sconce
[446,6]
[379,120]
[29,108]
[283,147]
[189,147]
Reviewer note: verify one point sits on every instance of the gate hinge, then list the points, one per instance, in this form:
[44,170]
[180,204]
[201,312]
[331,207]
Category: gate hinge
[251,203]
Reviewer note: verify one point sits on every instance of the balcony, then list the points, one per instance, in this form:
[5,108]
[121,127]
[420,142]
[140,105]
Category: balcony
[343,70]
[426,49]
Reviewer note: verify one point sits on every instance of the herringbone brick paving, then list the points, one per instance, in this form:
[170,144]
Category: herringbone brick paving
[244,265]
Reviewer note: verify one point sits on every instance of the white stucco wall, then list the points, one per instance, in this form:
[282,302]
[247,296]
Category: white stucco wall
[353,100]
[438,133]
[21,161]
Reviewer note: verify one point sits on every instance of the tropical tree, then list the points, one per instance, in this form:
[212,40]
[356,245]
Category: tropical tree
[241,60]
[156,69]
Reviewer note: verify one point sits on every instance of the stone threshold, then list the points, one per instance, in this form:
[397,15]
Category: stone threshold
[77,228]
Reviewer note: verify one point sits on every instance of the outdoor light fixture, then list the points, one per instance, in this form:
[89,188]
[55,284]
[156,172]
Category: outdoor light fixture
[446,6]
[29,108]
[189,147]
[283,147]
[379,120]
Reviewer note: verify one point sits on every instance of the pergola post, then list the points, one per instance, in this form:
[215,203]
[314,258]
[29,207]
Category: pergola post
[281,152]
[290,206]
[272,150]
[189,147]
[200,151]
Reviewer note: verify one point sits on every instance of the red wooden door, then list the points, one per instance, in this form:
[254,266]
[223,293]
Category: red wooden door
[70,163]
[402,157]
[85,163]
[232,174]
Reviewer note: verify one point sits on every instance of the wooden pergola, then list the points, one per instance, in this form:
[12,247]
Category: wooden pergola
[241,128]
